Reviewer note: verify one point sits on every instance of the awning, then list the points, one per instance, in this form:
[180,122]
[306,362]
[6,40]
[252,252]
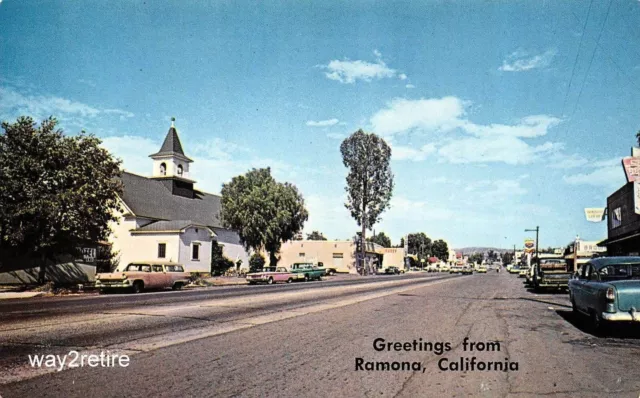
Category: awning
[608,242]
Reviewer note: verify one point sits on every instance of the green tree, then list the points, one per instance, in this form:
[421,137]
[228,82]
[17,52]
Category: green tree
[264,212]
[57,192]
[316,235]
[256,262]
[476,258]
[419,244]
[440,249]
[369,181]
[219,263]
[381,239]
[507,258]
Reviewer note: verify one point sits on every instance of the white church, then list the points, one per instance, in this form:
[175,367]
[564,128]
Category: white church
[164,218]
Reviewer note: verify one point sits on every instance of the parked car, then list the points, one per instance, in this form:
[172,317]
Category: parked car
[445,268]
[482,269]
[272,275]
[144,275]
[607,290]
[551,273]
[456,269]
[392,270]
[308,270]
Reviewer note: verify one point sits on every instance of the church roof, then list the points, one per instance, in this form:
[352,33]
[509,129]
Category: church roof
[171,145]
[149,198]
[165,226]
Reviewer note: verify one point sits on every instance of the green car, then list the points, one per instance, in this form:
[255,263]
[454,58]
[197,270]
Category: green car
[607,289]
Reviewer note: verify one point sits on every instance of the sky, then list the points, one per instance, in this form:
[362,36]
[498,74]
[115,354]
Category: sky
[502,116]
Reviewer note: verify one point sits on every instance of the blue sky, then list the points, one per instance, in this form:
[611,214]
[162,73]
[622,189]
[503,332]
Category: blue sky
[501,115]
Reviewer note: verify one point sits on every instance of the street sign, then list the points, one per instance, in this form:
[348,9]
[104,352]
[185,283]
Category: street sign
[631,168]
[594,214]
[529,245]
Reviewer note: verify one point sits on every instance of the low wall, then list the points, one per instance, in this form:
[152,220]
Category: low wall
[65,271]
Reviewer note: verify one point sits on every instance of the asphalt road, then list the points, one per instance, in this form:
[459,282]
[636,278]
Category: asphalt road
[304,340]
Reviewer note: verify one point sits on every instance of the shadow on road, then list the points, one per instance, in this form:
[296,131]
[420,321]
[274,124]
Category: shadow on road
[615,331]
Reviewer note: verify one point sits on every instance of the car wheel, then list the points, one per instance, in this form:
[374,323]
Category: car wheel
[306,278]
[252,283]
[289,280]
[598,324]
[270,281]
[331,273]
[176,286]
[138,286]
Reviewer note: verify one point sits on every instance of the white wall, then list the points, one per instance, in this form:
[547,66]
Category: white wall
[143,247]
[234,253]
[187,238]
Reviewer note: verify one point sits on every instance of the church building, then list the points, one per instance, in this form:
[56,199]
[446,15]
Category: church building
[164,218]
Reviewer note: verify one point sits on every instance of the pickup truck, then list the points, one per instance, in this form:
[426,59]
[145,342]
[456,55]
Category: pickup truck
[551,272]
[144,275]
[309,271]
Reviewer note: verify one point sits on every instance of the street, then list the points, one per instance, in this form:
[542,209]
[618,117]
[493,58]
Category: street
[304,340]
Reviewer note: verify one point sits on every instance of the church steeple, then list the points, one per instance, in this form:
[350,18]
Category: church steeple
[170,162]
[171,145]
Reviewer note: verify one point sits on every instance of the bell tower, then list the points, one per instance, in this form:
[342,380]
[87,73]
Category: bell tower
[171,165]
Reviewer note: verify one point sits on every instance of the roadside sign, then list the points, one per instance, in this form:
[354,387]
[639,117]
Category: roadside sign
[594,214]
[631,167]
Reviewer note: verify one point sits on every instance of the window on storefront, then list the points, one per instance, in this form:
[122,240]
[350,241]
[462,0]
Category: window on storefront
[162,250]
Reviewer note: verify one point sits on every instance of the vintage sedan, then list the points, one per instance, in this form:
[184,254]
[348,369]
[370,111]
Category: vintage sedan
[482,269]
[271,276]
[607,289]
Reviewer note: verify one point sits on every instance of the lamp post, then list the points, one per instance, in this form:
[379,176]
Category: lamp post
[537,230]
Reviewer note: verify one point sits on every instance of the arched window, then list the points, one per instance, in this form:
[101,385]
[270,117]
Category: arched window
[179,169]
[163,169]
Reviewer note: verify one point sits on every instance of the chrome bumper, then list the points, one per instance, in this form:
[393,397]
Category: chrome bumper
[621,316]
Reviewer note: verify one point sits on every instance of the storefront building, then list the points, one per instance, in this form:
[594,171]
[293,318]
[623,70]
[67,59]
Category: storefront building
[623,223]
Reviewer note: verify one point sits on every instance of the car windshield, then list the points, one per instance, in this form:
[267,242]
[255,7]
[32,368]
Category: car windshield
[620,272]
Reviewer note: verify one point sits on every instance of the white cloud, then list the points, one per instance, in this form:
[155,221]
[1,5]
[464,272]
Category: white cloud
[431,114]
[322,123]
[529,127]
[399,152]
[402,76]
[337,136]
[328,215]
[605,173]
[496,191]
[410,86]
[520,61]
[402,208]
[562,161]
[490,143]
[39,107]
[347,71]
[505,149]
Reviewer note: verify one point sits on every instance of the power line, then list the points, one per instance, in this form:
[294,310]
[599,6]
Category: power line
[593,55]
[575,62]
[595,48]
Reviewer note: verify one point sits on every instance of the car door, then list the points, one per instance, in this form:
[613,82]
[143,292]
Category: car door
[159,277]
[591,289]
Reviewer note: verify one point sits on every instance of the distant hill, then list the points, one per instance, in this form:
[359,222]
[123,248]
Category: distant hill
[470,250]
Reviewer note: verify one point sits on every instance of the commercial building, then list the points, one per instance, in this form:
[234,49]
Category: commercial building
[580,251]
[339,254]
[623,238]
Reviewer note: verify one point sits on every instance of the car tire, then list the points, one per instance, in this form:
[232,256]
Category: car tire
[252,283]
[138,286]
[598,325]
[306,278]
[270,281]
[177,286]
[289,280]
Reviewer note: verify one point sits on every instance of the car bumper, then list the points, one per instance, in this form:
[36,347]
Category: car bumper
[621,316]
[112,284]
[257,280]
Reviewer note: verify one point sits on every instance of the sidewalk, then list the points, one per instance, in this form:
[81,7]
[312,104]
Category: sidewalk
[19,295]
